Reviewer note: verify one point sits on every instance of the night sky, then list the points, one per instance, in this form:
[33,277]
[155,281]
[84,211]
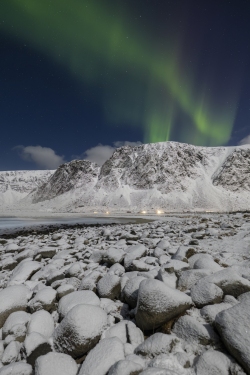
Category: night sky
[81,77]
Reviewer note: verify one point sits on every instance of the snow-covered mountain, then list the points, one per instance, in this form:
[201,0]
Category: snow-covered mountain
[165,176]
[78,174]
[15,185]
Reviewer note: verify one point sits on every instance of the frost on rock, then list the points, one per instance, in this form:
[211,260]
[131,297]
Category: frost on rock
[41,322]
[36,345]
[109,286]
[102,357]
[156,344]
[158,303]
[23,272]
[233,325]
[76,298]
[43,300]
[17,368]
[55,364]
[14,298]
[80,330]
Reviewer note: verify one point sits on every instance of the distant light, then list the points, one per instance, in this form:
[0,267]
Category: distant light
[95,212]
[107,212]
[144,212]
[159,212]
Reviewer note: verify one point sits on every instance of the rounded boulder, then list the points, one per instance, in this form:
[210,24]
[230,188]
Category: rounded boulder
[85,297]
[80,330]
[13,298]
[158,303]
[56,364]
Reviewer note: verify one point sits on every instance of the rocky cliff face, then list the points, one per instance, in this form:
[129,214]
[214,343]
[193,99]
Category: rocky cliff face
[166,166]
[78,174]
[234,174]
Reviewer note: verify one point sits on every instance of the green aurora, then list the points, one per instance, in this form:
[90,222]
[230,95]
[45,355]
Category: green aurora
[140,84]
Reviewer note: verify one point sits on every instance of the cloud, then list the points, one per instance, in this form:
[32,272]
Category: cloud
[245,141]
[100,153]
[44,157]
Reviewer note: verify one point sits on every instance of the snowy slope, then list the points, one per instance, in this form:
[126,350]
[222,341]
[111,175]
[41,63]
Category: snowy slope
[15,185]
[166,176]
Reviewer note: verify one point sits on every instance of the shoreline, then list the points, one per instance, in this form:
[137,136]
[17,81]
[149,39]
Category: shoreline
[46,228]
[119,219]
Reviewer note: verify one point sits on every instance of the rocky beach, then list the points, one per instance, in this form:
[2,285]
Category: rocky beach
[170,296]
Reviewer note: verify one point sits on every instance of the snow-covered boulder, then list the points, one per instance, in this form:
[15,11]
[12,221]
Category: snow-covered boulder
[117,269]
[134,252]
[233,326]
[43,300]
[102,357]
[63,290]
[204,293]
[18,368]
[213,362]
[12,248]
[46,252]
[158,303]
[55,275]
[41,322]
[125,368]
[131,289]
[209,264]
[89,281]
[114,255]
[11,353]
[230,282]
[23,272]
[80,330]
[14,298]
[191,330]
[126,331]
[74,270]
[209,312]
[189,278]
[36,345]
[168,278]
[156,344]
[109,286]
[55,364]
[14,319]
[85,297]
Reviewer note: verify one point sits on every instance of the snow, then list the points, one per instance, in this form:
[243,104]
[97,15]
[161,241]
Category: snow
[17,368]
[80,330]
[86,297]
[165,176]
[56,364]
[41,322]
[15,185]
[158,303]
[102,357]
[14,298]
[233,325]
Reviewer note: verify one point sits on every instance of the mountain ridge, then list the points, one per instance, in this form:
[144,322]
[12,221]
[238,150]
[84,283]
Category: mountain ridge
[169,176]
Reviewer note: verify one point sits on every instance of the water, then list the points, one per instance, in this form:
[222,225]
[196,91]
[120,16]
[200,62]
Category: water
[8,224]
